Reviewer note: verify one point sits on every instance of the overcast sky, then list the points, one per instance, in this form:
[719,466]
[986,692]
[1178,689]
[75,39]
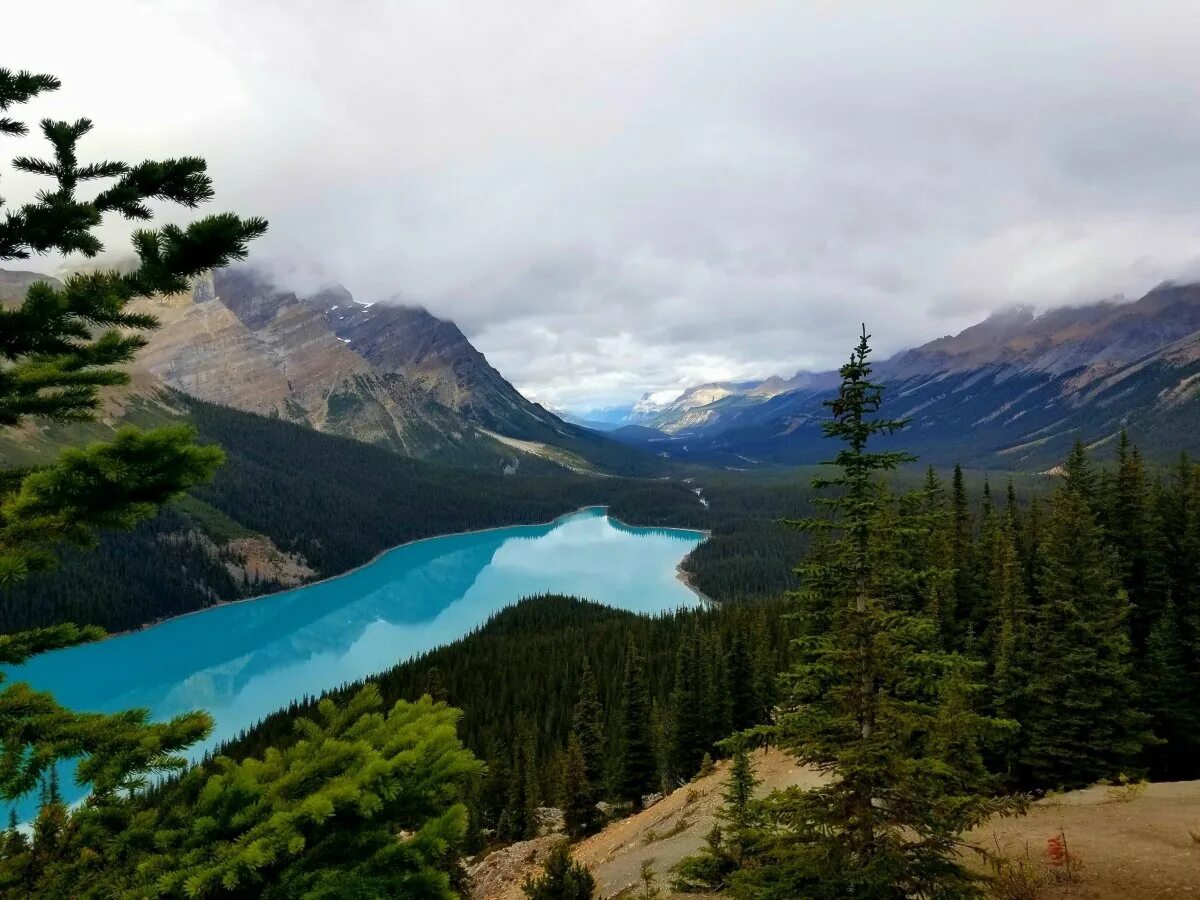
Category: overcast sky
[626,196]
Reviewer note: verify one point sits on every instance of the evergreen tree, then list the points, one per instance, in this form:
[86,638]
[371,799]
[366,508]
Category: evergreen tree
[739,796]
[1013,646]
[729,844]
[578,799]
[58,348]
[495,789]
[563,879]
[637,766]
[690,727]
[1030,546]
[1180,514]
[714,691]
[1129,527]
[1082,722]
[985,603]
[1169,693]
[747,708]
[863,706]
[435,686]
[961,535]
[588,725]
[933,552]
[364,804]
[524,792]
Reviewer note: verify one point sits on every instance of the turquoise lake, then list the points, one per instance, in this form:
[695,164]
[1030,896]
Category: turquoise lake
[244,660]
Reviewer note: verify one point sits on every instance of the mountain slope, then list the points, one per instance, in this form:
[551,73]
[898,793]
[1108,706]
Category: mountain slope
[393,376]
[290,504]
[388,375]
[1013,391]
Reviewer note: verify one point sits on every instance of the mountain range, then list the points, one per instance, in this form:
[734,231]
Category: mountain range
[1013,391]
[386,374]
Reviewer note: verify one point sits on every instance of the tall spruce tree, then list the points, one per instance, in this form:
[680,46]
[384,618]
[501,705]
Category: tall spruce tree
[58,348]
[1168,693]
[1012,648]
[745,705]
[690,737]
[864,706]
[933,552]
[588,723]
[1127,525]
[962,532]
[638,766]
[1082,719]
[577,798]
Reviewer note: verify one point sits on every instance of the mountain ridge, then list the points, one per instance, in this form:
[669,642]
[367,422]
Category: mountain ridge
[1013,390]
[392,375]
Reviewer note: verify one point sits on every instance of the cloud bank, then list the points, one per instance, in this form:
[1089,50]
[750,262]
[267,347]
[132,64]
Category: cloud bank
[625,197]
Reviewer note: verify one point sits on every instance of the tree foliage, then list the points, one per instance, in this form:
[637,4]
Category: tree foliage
[364,804]
[59,347]
[873,702]
[562,879]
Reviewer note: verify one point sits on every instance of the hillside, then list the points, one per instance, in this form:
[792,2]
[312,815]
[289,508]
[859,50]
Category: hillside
[289,505]
[388,375]
[1129,849]
[1011,392]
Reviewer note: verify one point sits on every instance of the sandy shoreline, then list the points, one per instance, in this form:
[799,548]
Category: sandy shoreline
[679,572]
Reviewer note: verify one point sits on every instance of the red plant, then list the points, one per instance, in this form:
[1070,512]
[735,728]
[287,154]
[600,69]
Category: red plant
[1056,851]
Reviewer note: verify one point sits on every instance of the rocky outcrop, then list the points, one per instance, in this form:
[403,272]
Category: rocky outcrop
[238,341]
[256,561]
[434,354]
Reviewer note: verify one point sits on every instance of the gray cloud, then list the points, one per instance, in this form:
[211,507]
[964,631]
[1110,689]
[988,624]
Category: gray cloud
[621,197]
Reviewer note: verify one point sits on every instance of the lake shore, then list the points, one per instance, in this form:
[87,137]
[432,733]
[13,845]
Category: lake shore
[681,575]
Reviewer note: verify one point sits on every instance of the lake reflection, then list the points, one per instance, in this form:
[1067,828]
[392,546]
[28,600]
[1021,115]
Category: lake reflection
[245,660]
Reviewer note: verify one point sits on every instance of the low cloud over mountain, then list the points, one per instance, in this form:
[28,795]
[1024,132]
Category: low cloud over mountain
[658,195]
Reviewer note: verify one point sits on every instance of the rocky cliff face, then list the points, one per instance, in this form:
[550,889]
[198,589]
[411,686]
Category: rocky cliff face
[430,352]
[396,376]
[238,341]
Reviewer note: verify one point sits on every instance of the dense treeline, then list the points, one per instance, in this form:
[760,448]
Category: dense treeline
[160,568]
[1084,609]
[519,680]
[1083,615]
[335,501]
[748,555]
[949,659]
[339,502]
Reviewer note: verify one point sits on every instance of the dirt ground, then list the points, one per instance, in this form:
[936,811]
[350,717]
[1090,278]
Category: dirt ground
[674,827]
[1125,844]
[1130,845]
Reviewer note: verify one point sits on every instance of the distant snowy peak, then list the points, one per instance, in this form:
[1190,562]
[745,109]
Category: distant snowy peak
[653,402]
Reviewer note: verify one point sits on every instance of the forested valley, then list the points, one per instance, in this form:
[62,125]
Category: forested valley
[334,501]
[1014,574]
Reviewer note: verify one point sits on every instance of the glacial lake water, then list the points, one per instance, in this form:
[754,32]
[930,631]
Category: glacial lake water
[244,660]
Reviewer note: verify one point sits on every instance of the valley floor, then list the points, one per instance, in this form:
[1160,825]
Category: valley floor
[1131,845]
